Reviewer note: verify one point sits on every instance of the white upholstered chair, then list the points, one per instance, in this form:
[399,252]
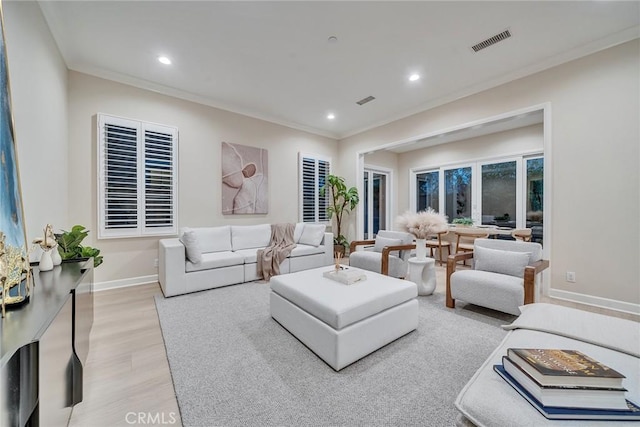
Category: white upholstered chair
[503,275]
[389,254]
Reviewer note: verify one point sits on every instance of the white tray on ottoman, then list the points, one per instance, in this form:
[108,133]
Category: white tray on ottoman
[343,323]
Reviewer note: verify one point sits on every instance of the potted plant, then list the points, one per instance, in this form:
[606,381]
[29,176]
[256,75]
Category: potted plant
[463,221]
[70,248]
[343,200]
[422,225]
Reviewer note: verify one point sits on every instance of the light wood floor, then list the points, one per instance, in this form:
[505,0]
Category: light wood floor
[127,374]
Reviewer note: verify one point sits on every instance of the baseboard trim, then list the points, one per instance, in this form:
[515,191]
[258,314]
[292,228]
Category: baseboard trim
[125,283]
[625,307]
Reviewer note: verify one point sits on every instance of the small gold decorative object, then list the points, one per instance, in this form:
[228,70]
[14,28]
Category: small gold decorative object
[337,258]
[14,268]
[49,241]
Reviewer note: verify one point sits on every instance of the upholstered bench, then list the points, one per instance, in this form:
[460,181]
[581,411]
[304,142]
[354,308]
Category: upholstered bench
[343,323]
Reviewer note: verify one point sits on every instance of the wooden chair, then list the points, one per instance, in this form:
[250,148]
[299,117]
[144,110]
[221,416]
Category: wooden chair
[465,239]
[523,234]
[439,244]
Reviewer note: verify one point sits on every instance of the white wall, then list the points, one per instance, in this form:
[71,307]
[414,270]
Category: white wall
[39,93]
[501,144]
[595,179]
[202,130]
[528,139]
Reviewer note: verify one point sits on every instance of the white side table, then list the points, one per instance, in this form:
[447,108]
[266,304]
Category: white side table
[423,274]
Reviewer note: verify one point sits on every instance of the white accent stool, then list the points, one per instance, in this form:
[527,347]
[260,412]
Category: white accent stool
[343,323]
[423,273]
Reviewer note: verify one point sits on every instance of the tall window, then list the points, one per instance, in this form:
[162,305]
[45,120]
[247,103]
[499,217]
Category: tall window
[505,192]
[457,183]
[535,206]
[313,173]
[499,194]
[376,201]
[428,190]
[137,178]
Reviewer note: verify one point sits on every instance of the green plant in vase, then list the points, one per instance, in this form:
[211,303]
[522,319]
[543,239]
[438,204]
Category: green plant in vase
[463,221]
[343,200]
[70,248]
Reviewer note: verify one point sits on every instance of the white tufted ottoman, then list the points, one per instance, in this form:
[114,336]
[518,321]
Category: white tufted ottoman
[343,323]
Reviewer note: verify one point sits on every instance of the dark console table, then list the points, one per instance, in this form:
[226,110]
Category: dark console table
[44,346]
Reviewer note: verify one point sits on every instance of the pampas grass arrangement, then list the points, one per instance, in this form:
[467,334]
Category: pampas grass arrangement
[422,224]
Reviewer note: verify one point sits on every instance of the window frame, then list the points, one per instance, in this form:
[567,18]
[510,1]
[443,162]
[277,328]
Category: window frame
[141,229]
[326,219]
[476,186]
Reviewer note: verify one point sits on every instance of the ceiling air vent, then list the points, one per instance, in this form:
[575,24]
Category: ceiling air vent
[365,100]
[491,41]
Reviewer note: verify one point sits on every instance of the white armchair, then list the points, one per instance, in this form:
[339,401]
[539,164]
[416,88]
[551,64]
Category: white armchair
[389,255]
[503,276]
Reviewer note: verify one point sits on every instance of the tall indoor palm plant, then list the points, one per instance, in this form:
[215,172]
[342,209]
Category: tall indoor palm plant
[343,201]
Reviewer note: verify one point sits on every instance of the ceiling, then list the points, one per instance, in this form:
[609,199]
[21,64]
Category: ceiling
[274,60]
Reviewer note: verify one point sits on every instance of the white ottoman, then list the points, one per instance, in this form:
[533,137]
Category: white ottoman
[343,323]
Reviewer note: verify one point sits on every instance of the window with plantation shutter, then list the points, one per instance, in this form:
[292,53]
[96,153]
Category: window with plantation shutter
[137,178]
[314,170]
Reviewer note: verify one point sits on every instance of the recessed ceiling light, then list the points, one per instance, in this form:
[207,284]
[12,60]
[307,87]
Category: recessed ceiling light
[414,77]
[164,60]
[331,116]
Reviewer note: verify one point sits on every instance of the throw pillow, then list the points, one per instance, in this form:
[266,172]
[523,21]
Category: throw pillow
[312,234]
[503,262]
[381,242]
[191,245]
[297,232]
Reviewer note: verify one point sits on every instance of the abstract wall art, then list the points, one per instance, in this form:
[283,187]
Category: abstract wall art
[244,180]
[14,266]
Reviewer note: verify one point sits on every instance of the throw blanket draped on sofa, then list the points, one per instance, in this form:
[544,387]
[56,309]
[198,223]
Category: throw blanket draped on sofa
[279,248]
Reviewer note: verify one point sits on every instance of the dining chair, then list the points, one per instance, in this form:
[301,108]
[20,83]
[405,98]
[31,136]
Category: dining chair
[437,242]
[465,239]
[523,234]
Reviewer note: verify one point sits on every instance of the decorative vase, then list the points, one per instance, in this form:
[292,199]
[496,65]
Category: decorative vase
[46,263]
[55,256]
[421,249]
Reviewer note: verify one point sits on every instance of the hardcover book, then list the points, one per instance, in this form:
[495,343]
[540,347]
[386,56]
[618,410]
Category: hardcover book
[632,413]
[552,367]
[573,396]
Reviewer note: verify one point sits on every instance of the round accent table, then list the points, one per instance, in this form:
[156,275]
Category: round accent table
[423,274]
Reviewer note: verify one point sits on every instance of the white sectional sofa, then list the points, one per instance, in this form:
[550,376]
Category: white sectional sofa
[210,257]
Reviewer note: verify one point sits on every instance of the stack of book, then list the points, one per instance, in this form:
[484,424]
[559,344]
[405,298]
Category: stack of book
[567,384]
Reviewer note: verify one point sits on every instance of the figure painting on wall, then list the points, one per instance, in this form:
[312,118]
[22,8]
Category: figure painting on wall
[244,179]
[14,266]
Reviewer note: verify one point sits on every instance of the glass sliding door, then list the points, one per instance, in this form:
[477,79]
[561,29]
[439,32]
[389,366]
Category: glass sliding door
[376,196]
[503,192]
[365,199]
[534,197]
[499,194]
[458,184]
[428,191]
